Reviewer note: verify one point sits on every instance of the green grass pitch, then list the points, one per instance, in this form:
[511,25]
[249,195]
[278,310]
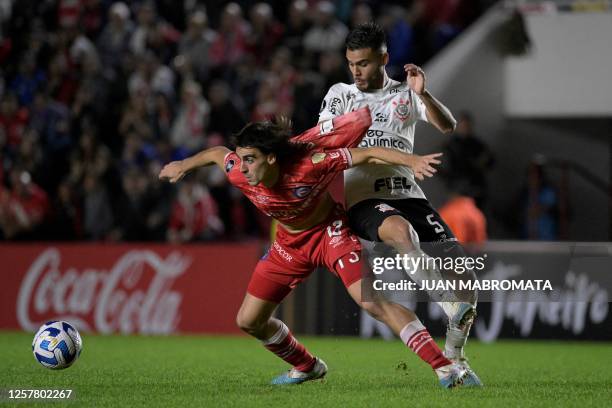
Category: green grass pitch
[205,371]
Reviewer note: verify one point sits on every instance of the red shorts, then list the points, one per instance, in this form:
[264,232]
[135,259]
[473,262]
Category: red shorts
[292,257]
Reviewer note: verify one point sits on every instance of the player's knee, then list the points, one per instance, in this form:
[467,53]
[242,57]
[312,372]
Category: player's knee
[247,324]
[395,232]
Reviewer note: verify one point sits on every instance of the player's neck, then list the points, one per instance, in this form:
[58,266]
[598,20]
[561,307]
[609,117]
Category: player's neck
[380,82]
[272,176]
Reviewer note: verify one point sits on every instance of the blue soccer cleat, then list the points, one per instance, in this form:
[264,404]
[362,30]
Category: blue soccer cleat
[452,375]
[471,380]
[294,376]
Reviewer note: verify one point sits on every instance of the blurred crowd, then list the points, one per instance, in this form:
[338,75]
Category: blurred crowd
[95,96]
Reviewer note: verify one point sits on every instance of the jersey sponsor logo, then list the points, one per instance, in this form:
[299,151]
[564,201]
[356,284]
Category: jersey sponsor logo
[383,208]
[396,91]
[384,142]
[323,105]
[402,109]
[228,166]
[301,191]
[317,158]
[392,183]
[282,252]
[334,107]
[381,117]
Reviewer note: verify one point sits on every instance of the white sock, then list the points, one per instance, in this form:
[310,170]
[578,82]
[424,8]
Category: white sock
[410,329]
[279,336]
[456,338]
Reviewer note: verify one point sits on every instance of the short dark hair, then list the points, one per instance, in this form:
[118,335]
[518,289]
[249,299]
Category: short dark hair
[269,138]
[367,35]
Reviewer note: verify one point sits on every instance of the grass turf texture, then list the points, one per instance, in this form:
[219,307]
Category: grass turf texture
[179,371]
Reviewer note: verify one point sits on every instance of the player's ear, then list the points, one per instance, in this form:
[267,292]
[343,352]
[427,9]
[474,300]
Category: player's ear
[385,58]
[271,159]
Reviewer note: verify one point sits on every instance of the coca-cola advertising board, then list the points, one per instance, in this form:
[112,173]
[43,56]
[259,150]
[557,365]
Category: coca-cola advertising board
[150,289]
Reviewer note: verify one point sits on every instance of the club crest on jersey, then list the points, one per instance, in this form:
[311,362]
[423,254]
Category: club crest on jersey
[383,208]
[228,166]
[317,158]
[302,191]
[402,109]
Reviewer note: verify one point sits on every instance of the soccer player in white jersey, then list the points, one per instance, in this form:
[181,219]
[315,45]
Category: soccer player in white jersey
[384,202]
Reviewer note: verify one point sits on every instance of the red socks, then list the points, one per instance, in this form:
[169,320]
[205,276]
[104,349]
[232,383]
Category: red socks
[286,346]
[416,336]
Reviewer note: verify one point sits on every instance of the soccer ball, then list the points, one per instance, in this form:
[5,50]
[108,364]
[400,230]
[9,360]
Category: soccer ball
[57,345]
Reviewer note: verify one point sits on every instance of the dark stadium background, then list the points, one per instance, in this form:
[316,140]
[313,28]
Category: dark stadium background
[96,95]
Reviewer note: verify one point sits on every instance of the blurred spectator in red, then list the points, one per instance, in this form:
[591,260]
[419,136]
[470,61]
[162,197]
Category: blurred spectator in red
[63,79]
[13,121]
[230,45]
[268,105]
[92,17]
[24,208]
[189,127]
[194,214]
[266,33]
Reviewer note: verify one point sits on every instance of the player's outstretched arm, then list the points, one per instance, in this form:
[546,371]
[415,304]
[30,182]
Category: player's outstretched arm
[176,170]
[421,166]
[437,114]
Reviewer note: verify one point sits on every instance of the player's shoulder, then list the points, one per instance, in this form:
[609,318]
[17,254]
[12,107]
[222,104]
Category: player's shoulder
[341,88]
[231,164]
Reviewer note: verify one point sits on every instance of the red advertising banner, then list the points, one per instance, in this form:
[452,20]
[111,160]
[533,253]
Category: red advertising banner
[145,289]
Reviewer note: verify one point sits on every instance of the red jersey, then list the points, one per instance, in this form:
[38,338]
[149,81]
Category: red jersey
[302,183]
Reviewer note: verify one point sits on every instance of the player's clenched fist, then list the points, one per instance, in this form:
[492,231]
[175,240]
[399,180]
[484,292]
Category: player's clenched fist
[415,77]
[172,172]
[423,165]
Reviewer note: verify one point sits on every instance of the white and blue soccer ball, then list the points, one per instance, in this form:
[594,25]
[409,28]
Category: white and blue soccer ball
[57,345]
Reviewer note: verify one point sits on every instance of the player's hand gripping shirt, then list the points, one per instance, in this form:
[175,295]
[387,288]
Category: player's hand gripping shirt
[303,181]
[395,109]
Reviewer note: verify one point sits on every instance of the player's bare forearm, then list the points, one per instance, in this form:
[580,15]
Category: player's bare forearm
[176,170]
[420,165]
[438,114]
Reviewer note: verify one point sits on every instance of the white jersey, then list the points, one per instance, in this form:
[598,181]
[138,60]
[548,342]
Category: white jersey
[395,110]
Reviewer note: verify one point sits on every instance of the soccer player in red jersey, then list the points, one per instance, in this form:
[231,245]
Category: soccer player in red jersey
[288,181]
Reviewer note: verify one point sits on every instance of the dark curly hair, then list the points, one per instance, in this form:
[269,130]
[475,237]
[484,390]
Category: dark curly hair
[367,35]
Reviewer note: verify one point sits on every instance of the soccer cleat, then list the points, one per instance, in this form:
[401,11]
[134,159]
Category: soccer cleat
[458,313]
[471,380]
[451,376]
[294,376]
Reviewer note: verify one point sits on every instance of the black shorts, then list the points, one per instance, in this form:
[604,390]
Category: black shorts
[366,216]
